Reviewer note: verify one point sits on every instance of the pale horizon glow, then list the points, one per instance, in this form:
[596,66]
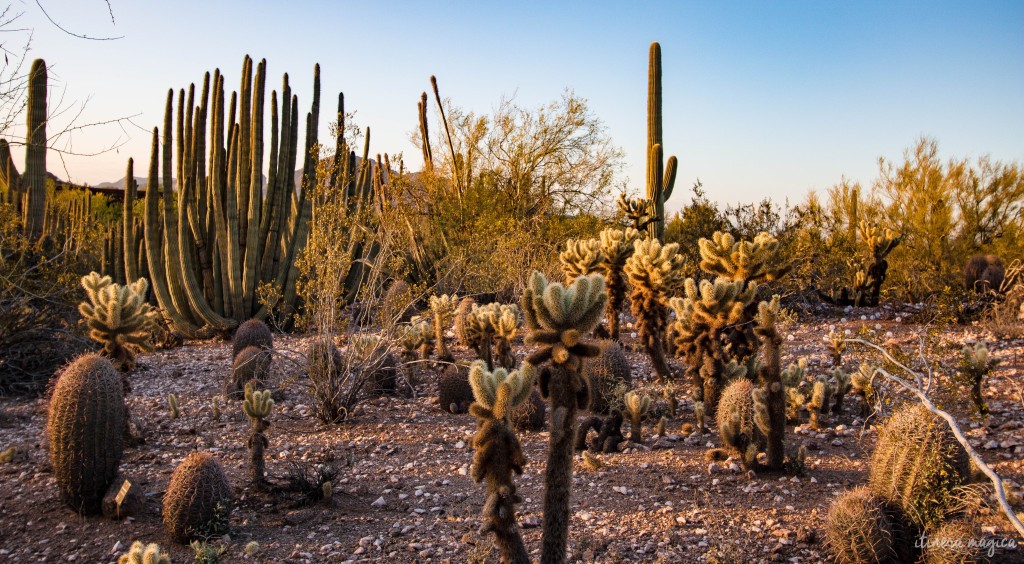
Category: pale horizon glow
[761,99]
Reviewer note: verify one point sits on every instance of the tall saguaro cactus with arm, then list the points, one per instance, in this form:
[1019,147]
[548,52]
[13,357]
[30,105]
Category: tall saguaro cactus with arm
[661,177]
[557,317]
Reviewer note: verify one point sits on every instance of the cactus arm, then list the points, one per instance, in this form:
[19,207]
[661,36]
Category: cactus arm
[128,223]
[34,210]
[250,271]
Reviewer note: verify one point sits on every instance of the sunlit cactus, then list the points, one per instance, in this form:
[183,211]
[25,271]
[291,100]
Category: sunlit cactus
[140,553]
[655,273]
[819,403]
[557,317]
[841,385]
[417,337]
[118,317]
[257,406]
[747,261]
[703,317]
[867,282]
[616,248]
[836,346]
[638,212]
[636,407]
[975,364]
[498,452]
[442,308]
[862,382]
[580,258]
[771,413]
[487,322]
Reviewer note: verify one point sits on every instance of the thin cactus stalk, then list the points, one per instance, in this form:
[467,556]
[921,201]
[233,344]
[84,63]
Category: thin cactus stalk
[770,379]
[257,406]
[557,317]
[35,152]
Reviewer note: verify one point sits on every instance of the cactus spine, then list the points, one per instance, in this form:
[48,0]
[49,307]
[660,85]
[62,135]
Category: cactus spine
[85,427]
[257,406]
[34,210]
[661,179]
[557,317]
[498,452]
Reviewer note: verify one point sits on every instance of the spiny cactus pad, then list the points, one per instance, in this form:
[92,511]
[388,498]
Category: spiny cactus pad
[198,499]
[919,466]
[86,427]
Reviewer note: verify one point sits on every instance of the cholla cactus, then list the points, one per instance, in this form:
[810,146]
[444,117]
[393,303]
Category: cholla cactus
[819,403]
[793,383]
[836,346]
[703,318]
[118,317]
[638,211]
[498,452]
[144,554]
[172,406]
[484,323]
[867,282]
[416,337]
[506,326]
[862,382]
[974,366]
[636,407]
[655,273]
[841,386]
[616,248]
[257,406]
[581,257]
[557,317]
[769,398]
[364,345]
[442,308]
[746,261]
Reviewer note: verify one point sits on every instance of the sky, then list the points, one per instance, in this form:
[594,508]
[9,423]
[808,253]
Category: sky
[761,99]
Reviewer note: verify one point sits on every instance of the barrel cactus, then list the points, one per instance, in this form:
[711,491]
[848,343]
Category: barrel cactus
[86,427]
[860,530]
[252,364]
[609,377]
[919,466]
[454,392]
[198,499]
[252,333]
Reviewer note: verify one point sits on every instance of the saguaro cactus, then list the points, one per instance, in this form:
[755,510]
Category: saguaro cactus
[498,453]
[557,317]
[35,152]
[660,181]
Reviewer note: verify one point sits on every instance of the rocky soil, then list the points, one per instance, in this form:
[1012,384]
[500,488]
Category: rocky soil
[403,493]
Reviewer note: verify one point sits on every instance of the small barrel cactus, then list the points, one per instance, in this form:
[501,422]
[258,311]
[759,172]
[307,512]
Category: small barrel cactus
[198,499]
[252,364]
[860,530]
[454,392]
[954,542]
[609,375]
[86,427]
[252,333]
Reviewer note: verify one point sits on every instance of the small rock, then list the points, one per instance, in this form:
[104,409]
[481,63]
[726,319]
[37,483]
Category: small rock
[379,502]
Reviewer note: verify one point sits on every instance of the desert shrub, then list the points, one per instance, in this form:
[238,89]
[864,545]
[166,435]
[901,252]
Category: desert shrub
[38,306]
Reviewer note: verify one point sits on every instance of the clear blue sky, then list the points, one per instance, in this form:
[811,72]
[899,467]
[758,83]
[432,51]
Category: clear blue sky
[761,98]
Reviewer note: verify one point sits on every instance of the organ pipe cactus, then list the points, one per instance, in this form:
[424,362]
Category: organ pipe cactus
[557,317]
[217,231]
[975,364]
[498,452]
[661,178]
[655,273]
[442,308]
[118,317]
[257,406]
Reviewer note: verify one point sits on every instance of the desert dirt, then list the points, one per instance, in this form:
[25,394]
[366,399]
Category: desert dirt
[403,491]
